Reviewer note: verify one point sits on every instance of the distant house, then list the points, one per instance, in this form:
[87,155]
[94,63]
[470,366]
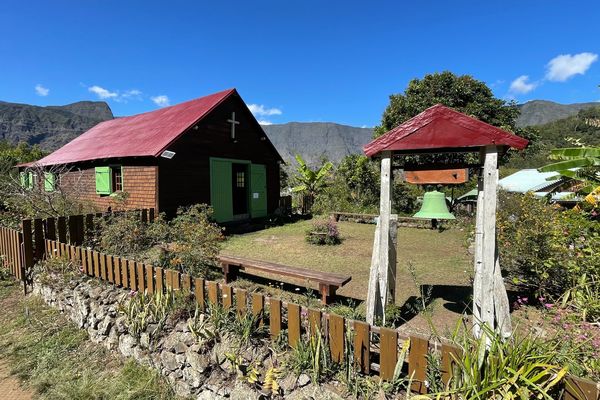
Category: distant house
[208,150]
[560,190]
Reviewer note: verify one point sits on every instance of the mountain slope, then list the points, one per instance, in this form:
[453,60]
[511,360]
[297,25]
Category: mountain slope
[540,112]
[52,126]
[317,140]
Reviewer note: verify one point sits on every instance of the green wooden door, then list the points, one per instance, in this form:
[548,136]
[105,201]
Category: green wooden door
[258,191]
[220,190]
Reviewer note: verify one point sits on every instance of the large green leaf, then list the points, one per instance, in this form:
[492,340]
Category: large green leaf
[568,164]
[574,153]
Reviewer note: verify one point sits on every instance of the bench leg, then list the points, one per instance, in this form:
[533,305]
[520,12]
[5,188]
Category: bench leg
[230,272]
[327,293]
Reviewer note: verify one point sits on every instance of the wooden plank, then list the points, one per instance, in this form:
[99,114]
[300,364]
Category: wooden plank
[362,347]
[124,272]
[186,283]
[145,215]
[103,274]
[176,279]
[213,292]
[286,270]
[314,321]
[293,324]
[199,293]
[89,260]
[110,270]
[151,215]
[450,357]
[61,227]
[63,249]
[274,317]
[580,389]
[117,268]
[73,229]
[132,275]
[417,363]
[241,301]
[80,230]
[96,258]
[388,357]
[337,337]
[38,235]
[50,228]
[158,283]
[28,255]
[149,279]
[227,296]
[258,307]
[89,226]
[141,281]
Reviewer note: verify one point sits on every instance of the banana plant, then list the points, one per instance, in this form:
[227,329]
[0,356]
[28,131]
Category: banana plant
[578,163]
[310,181]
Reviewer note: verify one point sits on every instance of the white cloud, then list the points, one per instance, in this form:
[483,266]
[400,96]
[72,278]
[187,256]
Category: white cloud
[41,90]
[103,93]
[565,66]
[261,111]
[161,101]
[264,122]
[521,85]
[118,96]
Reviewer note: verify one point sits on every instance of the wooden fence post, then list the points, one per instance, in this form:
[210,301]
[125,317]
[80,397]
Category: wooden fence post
[362,347]
[274,317]
[27,266]
[417,363]
[38,235]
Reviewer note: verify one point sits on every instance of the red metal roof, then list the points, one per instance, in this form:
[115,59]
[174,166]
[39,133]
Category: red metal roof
[440,127]
[147,134]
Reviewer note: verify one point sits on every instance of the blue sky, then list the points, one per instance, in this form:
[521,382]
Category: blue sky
[293,60]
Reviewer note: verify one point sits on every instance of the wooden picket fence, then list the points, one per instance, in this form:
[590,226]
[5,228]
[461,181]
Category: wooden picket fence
[20,250]
[375,349]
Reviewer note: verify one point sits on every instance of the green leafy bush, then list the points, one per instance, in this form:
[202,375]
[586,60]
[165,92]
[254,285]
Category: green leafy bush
[548,250]
[189,243]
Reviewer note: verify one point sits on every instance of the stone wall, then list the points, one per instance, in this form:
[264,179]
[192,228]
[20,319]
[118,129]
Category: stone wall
[191,369]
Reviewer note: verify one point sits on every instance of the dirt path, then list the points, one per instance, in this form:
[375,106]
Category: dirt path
[10,389]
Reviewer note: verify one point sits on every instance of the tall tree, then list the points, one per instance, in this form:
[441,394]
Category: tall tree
[463,93]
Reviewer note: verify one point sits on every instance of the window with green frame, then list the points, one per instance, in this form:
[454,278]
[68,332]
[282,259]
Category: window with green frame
[109,180]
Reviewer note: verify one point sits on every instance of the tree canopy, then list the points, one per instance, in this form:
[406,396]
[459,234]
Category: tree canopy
[463,93]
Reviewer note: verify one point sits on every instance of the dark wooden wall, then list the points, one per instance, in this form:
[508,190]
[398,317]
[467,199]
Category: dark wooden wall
[185,179]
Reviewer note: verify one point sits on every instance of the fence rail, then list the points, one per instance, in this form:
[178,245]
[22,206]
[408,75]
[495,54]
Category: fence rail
[375,349]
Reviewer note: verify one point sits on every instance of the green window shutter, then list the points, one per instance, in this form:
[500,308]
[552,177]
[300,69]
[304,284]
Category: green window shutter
[103,180]
[221,190]
[23,177]
[49,181]
[258,191]
[30,180]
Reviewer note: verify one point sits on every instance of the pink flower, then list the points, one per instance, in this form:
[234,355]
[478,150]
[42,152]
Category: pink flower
[548,305]
[132,293]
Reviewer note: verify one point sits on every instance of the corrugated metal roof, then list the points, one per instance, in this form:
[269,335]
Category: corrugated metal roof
[440,127]
[527,180]
[147,134]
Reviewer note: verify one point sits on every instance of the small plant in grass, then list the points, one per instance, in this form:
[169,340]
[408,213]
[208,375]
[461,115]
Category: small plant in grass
[324,232]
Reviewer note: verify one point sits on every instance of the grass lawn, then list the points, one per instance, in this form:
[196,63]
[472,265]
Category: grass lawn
[440,259]
[56,360]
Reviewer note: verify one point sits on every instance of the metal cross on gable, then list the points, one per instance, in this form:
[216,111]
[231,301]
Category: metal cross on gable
[233,123]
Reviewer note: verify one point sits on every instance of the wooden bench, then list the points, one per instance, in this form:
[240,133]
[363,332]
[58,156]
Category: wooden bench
[328,282]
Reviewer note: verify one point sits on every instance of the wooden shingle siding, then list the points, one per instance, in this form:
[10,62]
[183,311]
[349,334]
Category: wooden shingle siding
[139,182]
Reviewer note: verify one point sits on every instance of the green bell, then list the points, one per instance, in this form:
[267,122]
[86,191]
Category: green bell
[434,207]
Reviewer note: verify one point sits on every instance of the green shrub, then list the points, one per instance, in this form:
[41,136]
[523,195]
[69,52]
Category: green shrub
[189,243]
[545,249]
